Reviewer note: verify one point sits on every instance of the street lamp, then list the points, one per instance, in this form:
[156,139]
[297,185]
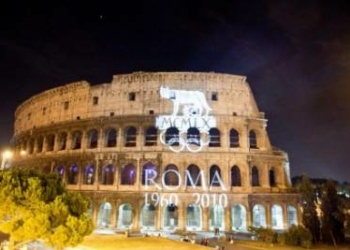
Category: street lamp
[6,155]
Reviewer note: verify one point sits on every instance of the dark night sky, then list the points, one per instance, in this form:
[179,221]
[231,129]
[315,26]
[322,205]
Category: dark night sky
[295,54]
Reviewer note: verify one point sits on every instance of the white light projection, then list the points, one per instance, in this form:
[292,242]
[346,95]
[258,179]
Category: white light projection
[194,109]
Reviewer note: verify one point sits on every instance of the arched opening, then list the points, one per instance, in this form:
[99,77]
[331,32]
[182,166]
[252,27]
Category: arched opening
[276,217]
[151,136]
[217,217]
[193,177]
[128,175]
[60,171]
[50,142]
[215,177]
[104,215]
[107,175]
[193,136]
[62,142]
[76,140]
[172,136]
[252,140]
[111,138]
[272,177]
[171,216]
[150,174]
[39,144]
[292,216]
[130,137]
[171,175]
[234,138]
[214,137]
[148,216]
[92,138]
[31,146]
[259,216]
[125,216]
[255,177]
[89,175]
[194,217]
[235,177]
[72,174]
[239,218]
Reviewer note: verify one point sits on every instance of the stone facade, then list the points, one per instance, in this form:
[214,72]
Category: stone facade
[103,141]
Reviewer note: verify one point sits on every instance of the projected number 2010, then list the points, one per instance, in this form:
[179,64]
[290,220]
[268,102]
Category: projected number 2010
[203,200]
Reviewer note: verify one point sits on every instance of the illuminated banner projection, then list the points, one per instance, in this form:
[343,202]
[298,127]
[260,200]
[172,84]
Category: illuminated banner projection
[189,124]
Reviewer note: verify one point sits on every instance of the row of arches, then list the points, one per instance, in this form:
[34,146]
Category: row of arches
[109,138]
[171,175]
[194,217]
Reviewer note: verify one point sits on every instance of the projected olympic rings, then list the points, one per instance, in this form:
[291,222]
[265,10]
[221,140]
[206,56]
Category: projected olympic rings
[181,141]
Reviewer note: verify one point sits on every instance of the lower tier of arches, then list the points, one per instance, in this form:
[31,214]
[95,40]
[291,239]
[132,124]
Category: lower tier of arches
[135,212]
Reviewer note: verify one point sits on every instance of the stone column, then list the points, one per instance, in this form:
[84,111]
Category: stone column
[227,220]
[268,215]
[84,139]
[56,142]
[181,212]
[44,148]
[285,216]
[205,219]
[159,217]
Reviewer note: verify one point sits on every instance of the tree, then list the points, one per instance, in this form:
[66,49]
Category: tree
[308,203]
[38,206]
[332,226]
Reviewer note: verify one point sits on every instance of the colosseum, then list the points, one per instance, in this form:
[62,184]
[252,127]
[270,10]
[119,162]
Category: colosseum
[161,151]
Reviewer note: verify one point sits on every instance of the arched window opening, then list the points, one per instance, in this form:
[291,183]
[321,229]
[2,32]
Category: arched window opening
[107,177]
[89,175]
[171,176]
[214,137]
[39,144]
[111,138]
[272,178]
[125,216]
[277,217]
[171,216]
[193,136]
[252,140]
[92,138]
[50,142]
[234,139]
[62,141]
[259,216]
[104,215]
[60,171]
[130,137]
[255,177]
[217,217]
[128,175]
[193,176]
[194,217]
[151,137]
[76,143]
[235,177]
[148,216]
[292,216]
[215,176]
[73,173]
[239,218]
[31,146]
[172,136]
[150,174]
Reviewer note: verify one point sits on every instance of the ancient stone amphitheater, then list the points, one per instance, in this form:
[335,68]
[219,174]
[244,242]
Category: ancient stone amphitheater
[161,151]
